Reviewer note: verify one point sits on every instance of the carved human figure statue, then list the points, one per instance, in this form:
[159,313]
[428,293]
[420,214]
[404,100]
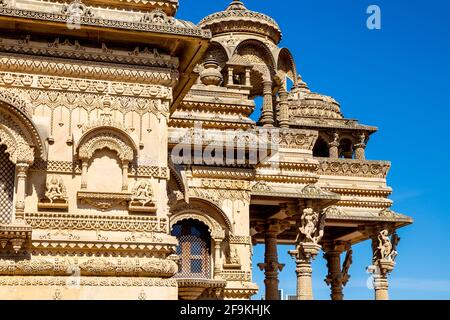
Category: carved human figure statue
[384,244]
[362,138]
[312,226]
[234,256]
[309,222]
[55,189]
[142,193]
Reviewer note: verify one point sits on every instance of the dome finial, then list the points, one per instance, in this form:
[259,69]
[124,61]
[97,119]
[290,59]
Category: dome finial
[236,5]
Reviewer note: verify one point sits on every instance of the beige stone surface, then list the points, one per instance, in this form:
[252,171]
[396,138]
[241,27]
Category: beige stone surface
[124,149]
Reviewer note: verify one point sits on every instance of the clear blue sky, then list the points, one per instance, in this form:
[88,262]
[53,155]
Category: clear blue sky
[397,79]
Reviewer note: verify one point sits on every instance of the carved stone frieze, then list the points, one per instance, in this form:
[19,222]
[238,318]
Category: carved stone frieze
[87,281]
[66,221]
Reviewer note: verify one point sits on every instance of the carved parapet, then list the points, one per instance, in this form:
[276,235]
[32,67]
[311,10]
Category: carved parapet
[351,167]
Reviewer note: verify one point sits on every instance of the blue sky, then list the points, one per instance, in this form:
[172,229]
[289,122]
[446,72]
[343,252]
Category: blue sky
[397,79]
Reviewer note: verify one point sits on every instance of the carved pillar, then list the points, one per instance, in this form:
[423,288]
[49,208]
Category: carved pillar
[303,256]
[247,77]
[284,109]
[337,278]
[267,111]
[84,166]
[381,285]
[271,266]
[230,75]
[383,262]
[217,257]
[124,175]
[21,185]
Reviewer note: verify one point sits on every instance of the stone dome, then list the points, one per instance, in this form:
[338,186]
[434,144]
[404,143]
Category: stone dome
[237,18]
[304,103]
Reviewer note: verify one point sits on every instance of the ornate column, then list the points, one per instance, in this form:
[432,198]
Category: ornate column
[311,229]
[337,278]
[247,77]
[230,75]
[267,111]
[124,175]
[334,146]
[271,266]
[303,255]
[84,166]
[22,169]
[384,253]
[217,258]
[284,109]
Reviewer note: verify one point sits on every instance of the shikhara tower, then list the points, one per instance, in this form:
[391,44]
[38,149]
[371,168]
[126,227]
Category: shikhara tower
[114,182]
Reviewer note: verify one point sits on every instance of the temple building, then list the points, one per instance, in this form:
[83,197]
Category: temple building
[131,168]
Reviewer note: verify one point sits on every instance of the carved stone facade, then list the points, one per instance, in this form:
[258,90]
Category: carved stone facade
[126,162]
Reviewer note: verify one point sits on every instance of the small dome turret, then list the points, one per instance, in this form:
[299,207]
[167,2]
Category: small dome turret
[237,18]
[304,103]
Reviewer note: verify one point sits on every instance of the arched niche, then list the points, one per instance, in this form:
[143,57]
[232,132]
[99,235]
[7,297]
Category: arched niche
[108,146]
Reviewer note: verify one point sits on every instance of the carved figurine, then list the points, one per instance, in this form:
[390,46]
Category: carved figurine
[142,193]
[55,189]
[234,256]
[386,246]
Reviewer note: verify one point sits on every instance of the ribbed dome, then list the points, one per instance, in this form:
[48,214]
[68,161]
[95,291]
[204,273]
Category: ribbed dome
[304,103]
[237,18]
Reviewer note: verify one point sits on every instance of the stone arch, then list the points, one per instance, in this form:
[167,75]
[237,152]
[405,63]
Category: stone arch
[257,54]
[218,52]
[18,132]
[198,209]
[262,54]
[111,138]
[286,66]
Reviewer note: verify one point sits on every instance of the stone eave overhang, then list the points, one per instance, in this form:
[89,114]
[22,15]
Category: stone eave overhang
[187,43]
[331,123]
[396,218]
[168,6]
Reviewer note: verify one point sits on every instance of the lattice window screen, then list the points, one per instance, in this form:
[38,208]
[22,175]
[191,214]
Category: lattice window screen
[193,250]
[7,171]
